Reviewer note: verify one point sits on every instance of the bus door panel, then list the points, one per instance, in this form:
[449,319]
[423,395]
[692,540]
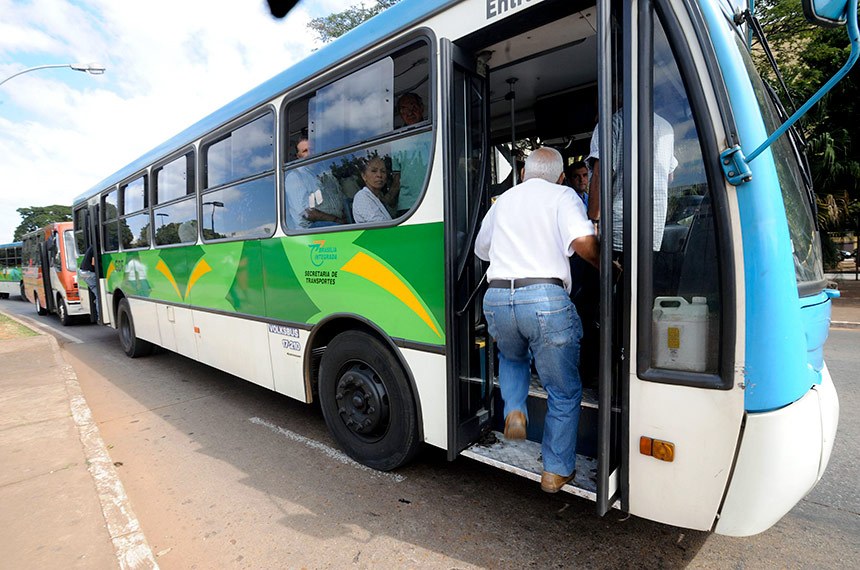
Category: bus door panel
[465,132]
[216,336]
[166,316]
[46,254]
[684,404]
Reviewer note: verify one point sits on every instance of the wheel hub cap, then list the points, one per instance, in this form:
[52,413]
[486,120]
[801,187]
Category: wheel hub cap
[362,401]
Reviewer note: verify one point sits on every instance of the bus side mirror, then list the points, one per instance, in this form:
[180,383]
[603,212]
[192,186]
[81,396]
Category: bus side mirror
[826,13]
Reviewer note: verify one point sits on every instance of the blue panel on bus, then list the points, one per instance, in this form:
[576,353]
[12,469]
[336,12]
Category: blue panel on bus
[398,17]
[815,312]
[776,370]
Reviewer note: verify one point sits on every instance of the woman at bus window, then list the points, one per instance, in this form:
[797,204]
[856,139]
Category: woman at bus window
[370,203]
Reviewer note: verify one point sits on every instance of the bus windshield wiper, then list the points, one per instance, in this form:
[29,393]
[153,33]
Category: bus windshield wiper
[754,23]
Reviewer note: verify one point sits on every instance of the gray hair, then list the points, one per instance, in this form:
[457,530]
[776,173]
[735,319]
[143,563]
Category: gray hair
[544,163]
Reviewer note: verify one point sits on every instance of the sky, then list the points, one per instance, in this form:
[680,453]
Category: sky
[169,63]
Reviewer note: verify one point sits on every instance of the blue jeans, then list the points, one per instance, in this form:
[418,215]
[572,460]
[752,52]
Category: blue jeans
[540,319]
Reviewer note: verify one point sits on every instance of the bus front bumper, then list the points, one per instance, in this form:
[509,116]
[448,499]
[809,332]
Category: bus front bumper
[782,456]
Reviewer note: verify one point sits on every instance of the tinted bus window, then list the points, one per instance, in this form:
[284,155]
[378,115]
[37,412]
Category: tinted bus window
[245,210]
[80,229]
[176,223]
[69,249]
[110,225]
[134,195]
[389,94]
[175,179]
[247,151]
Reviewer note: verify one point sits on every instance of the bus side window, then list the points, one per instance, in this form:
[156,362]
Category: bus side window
[175,208]
[238,200]
[110,224]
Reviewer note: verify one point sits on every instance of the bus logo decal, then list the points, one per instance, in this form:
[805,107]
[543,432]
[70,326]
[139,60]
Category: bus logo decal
[365,266]
[320,253]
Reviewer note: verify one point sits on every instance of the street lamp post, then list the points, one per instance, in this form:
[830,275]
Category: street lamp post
[214,204]
[91,68]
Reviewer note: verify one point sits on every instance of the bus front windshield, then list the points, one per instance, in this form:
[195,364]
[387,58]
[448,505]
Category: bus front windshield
[805,241]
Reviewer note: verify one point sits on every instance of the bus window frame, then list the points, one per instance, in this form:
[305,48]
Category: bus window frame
[220,134]
[194,196]
[346,68]
[680,44]
[123,215]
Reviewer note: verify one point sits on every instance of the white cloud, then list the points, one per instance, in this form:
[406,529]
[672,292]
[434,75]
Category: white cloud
[169,64]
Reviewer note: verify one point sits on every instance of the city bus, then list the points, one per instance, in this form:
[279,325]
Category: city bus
[10,270]
[50,263]
[249,242]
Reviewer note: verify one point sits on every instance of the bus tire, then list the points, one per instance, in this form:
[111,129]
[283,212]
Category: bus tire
[40,310]
[23,292]
[133,347]
[367,401]
[63,311]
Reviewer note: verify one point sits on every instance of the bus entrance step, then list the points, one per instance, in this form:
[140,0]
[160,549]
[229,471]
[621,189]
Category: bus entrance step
[523,458]
[536,390]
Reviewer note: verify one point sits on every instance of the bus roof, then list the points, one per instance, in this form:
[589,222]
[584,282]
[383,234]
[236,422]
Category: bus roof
[390,21]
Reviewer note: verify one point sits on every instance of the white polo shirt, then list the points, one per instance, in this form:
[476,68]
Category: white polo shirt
[529,230]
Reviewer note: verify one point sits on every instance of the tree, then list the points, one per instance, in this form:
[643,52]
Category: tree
[36,217]
[810,55]
[335,25]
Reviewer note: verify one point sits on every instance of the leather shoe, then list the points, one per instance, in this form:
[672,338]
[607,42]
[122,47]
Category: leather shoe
[551,483]
[515,425]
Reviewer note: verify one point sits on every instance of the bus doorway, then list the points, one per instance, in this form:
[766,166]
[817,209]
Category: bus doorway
[542,86]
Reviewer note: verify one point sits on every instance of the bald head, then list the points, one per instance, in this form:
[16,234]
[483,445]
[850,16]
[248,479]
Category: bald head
[544,163]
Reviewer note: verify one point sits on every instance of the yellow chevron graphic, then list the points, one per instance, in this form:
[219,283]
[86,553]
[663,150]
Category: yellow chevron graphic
[111,268]
[365,266]
[201,269]
[162,268]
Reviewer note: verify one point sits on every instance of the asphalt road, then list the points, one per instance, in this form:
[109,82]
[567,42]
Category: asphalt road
[224,474]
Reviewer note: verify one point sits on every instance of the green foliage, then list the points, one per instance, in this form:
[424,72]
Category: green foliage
[809,56]
[36,217]
[335,25]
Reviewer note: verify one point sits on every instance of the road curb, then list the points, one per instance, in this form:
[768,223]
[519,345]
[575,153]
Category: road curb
[844,325]
[132,550]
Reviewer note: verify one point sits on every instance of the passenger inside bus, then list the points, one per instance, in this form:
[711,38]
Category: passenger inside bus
[369,205]
[409,166]
[312,201]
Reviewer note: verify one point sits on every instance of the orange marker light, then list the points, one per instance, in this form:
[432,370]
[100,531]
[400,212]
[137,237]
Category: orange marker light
[197,330]
[657,448]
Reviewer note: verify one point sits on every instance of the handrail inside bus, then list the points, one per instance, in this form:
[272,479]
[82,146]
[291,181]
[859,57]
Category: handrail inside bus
[736,164]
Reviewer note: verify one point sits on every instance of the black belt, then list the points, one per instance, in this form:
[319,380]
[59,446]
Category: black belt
[525,282]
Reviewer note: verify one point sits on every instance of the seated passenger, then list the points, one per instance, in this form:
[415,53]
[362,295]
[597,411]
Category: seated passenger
[312,201]
[368,206]
[409,163]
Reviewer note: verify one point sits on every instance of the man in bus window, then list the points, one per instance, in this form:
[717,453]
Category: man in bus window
[410,157]
[528,235]
[312,201]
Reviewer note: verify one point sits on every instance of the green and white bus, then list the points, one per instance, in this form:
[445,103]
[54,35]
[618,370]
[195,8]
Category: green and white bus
[11,280]
[315,236]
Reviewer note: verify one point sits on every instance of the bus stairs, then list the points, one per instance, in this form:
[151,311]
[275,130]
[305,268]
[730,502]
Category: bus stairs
[523,457]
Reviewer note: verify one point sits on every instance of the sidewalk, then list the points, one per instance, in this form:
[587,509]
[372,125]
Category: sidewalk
[63,505]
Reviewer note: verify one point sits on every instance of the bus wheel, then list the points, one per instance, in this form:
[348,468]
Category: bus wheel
[132,345]
[367,401]
[63,311]
[23,293]
[40,310]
